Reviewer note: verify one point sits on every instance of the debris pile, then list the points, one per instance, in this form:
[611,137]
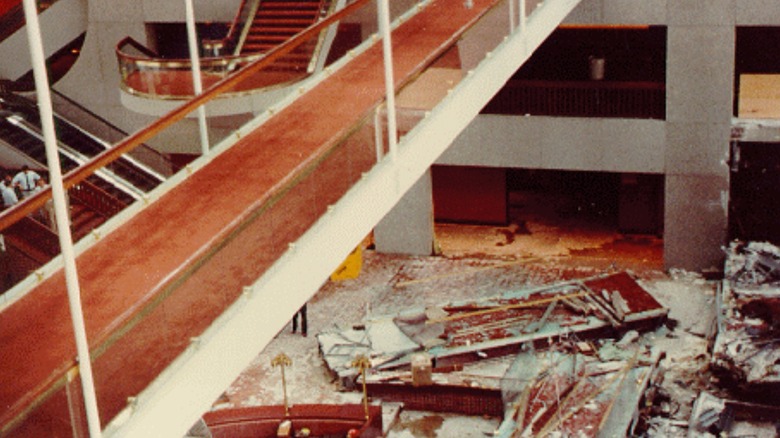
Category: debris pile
[569,390]
[746,350]
[456,333]
[715,416]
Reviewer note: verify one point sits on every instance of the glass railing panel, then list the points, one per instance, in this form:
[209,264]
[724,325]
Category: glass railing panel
[208,238]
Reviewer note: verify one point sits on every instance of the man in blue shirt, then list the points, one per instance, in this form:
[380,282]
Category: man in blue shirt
[26,180]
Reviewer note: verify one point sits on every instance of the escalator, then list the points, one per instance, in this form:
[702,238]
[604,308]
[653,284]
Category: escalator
[91,202]
[127,179]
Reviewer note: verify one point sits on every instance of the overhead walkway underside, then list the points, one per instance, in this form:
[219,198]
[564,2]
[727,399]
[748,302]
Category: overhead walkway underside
[165,276]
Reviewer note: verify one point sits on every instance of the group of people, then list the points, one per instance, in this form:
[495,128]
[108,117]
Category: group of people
[24,184]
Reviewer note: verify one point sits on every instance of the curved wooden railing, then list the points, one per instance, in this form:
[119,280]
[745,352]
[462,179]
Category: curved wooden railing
[76,176]
[145,73]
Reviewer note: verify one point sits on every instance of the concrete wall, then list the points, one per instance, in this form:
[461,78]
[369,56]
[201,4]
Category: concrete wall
[62,23]
[559,143]
[94,80]
[700,78]
[690,147]
[408,227]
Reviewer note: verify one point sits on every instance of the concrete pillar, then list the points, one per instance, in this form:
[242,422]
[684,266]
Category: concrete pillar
[699,84]
[408,227]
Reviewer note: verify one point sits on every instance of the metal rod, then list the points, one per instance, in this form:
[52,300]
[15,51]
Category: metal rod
[522,16]
[379,143]
[384,30]
[61,214]
[197,81]
[512,16]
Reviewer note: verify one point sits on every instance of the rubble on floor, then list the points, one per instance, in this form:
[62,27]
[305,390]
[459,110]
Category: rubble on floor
[723,417]
[434,359]
[657,372]
[746,350]
[577,389]
[460,332]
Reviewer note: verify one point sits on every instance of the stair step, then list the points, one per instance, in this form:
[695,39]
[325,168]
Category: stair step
[302,6]
[262,48]
[286,13]
[28,248]
[276,29]
[85,222]
[275,40]
[299,22]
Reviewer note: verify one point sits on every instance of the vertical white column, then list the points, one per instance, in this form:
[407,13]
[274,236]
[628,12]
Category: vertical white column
[197,83]
[61,214]
[522,16]
[512,16]
[379,141]
[384,30]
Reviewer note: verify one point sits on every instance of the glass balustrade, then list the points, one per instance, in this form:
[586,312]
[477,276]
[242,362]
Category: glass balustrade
[203,236]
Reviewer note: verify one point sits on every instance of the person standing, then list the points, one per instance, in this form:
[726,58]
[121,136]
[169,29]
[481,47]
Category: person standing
[304,322]
[8,193]
[26,180]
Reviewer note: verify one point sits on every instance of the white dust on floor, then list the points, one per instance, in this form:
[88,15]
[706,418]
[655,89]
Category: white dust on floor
[475,264]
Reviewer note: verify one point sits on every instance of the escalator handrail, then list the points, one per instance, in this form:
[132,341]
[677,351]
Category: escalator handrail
[143,173]
[111,126]
[103,159]
[80,159]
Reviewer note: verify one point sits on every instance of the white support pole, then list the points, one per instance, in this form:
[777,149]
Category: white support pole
[522,16]
[384,30]
[512,16]
[197,82]
[379,142]
[61,215]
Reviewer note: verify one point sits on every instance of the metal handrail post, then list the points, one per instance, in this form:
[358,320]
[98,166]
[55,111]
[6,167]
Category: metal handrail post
[512,16]
[61,215]
[522,16]
[384,30]
[197,82]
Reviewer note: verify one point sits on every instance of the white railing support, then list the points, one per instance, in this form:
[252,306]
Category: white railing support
[379,142]
[384,30]
[512,16]
[522,16]
[61,215]
[197,82]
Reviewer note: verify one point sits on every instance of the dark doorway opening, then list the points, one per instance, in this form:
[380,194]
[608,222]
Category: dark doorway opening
[755,192]
[629,203]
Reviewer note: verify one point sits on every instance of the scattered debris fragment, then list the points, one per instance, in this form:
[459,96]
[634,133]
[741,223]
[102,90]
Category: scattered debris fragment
[456,333]
[746,350]
[714,416]
[565,392]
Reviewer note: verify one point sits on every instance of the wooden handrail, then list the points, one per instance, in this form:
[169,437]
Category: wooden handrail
[130,41]
[18,211]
